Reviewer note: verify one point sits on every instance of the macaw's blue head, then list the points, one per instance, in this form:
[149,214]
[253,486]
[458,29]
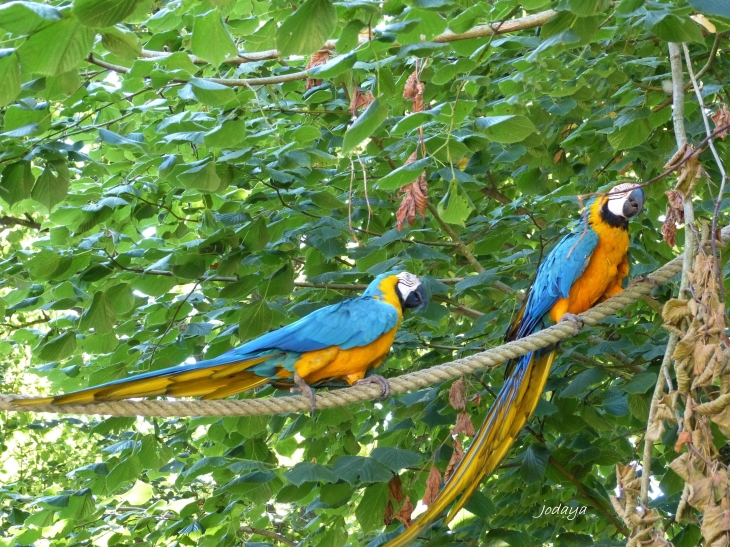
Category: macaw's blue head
[405,286]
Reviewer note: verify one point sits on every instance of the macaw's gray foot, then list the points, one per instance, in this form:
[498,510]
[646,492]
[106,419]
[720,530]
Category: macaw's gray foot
[305,389]
[575,319]
[643,278]
[379,380]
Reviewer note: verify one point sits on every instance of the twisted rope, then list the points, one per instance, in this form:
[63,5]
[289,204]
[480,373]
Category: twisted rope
[398,385]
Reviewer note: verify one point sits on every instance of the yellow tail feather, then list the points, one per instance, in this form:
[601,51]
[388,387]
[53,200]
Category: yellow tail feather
[211,382]
[487,450]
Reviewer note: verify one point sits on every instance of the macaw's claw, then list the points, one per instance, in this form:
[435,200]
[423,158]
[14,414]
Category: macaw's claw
[305,389]
[575,319]
[643,278]
[379,380]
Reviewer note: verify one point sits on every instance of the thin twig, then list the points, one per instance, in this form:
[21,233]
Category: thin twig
[267,534]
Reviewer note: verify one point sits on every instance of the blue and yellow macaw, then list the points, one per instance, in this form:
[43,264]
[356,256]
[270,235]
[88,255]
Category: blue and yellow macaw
[587,266]
[337,343]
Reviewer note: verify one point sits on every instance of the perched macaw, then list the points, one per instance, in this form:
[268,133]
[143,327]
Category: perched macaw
[587,266]
[337,343]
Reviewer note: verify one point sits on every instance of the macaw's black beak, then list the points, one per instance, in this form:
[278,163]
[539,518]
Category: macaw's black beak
[634,203]
[417,299]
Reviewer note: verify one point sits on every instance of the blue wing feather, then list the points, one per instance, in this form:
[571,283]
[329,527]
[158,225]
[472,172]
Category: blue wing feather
[348,324]
[556,275]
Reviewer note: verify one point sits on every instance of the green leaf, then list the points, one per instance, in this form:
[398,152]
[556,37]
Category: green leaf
[24,17]
[255,235]
[202,467]
[16,182]
[71,44]
[333,67]
[122,43]
[240,289]
[227,135]
[211,93]
[100,316]
[639,406]
[455,207]
[9,77]
[51,187]
[336,534]
[307,29]
[121,297]
[397,458]
[534,463]
[584,8]
[369,512]
[365,125]
[673,28]
[138,495]
[640,383]
[350,468]
[211,40]
[280,283]
[58,348]
[708,7]
[255,320]
[506,129]
[404,174]
[583,381]
[310,472]
[200,177]
[630,135]
[103,13]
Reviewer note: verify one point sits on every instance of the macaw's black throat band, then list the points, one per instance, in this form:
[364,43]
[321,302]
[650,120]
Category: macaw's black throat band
[612,220]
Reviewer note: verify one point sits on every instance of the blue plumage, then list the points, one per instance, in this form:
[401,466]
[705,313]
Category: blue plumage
[347,324]
[556,275]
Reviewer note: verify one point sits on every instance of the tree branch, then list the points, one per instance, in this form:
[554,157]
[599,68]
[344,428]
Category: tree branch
[267,534]
[480,31]
[675,60]
[582,492]
[13,221]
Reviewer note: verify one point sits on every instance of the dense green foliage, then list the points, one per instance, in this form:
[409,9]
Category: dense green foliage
[122,191]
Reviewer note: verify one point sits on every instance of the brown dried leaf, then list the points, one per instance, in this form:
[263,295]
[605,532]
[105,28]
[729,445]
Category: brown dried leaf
[684,438]
[456,457]
[675,310]
[395,489]
[433,485]
[476,399]
[701,493]
[677,157]
[389,512]
[722,420]
[655,430]
[404,514]
[413,91]
[360,100]
[463,425]
[414,202]
[457,394]
[318,58]
[674,216]
[702,356]
[719,484]
[689,172]
[715,521]
[721,117]
[680,466]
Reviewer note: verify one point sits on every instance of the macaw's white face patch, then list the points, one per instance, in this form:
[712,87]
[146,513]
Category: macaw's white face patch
[407,283]
[617,197]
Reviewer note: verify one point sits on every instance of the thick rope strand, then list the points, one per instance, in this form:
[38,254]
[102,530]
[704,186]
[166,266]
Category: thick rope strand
[398,385]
